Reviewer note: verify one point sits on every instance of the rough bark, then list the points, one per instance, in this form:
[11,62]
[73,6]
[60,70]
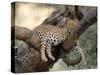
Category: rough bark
[89,19]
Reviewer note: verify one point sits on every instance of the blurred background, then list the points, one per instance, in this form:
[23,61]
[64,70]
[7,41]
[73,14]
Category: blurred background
[30,15]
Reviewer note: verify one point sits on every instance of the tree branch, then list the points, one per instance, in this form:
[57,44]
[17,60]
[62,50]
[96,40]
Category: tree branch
[89,19]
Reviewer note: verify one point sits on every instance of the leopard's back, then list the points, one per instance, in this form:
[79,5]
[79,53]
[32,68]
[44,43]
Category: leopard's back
[53,34]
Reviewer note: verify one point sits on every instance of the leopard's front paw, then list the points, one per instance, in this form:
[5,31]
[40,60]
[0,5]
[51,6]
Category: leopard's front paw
[44,58]
[53,58]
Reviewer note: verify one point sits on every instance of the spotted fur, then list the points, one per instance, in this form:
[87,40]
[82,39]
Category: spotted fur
[50,36]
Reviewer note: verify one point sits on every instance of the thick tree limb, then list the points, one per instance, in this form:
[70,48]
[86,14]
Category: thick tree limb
[89,19]
[22,33]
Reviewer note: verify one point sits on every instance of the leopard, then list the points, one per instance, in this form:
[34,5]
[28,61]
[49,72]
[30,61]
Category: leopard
[50,35]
